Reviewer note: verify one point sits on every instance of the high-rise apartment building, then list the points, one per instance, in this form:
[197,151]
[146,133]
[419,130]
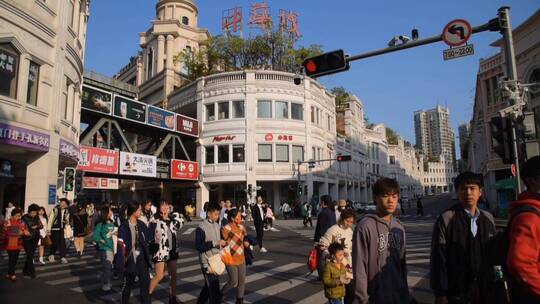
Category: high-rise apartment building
[434,136]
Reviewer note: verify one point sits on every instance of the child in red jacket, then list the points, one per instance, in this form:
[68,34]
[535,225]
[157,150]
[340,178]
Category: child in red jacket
[14,230]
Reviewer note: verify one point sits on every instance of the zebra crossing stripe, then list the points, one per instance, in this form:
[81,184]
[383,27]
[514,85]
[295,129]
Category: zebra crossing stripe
[317,298]
[277,288]
[419,261]
[189,231]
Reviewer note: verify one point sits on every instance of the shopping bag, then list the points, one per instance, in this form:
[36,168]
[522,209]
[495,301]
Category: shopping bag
[312,259]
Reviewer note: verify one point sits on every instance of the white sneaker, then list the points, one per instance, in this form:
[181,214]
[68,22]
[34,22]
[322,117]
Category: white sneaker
[41,261]
[63,261]
[106,287]
[263,250]
[51,258]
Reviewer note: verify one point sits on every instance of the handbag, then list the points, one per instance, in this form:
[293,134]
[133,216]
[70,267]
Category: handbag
[68,232]
[226,256]
[46,241]
[313,259]
[216,265]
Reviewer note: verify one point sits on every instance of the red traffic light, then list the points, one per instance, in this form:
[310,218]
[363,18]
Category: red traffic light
[325,64]
[341,158]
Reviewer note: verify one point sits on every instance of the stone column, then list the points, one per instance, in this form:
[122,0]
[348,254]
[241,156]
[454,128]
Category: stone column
[169,52]
[160,52]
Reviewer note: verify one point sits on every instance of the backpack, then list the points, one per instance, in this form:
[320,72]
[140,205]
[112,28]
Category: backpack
[497,254]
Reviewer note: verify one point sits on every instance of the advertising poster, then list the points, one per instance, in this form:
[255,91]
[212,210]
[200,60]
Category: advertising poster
[98,160]
[187,125]
[183,169]
[100,183]
[160,118]
[137,164]
[129,109]
[96,100]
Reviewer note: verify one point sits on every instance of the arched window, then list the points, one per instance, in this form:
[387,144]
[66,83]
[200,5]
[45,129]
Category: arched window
[9,70]
[185,20]
[534,90]
[149,63]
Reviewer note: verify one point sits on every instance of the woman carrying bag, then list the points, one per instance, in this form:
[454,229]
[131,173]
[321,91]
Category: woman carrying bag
[44,239]
[166,248]
[15,230]
[80,229]
[234,233]
[103,236]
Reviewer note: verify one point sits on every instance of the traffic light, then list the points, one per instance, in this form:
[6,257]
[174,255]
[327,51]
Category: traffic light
[250,189]
[325,64]
[341,158]
[501,138]
[299,189]
[78,182]
[69,179]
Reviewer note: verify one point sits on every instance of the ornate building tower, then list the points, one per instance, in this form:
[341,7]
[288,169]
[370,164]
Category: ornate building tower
[157,70]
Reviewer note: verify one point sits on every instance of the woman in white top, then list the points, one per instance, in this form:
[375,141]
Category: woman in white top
[42,214]
[342,233]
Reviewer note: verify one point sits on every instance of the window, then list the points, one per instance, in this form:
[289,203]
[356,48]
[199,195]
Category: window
[33,80]
[313,156]
[210,112]
[297,153]
[238,109]
[9,66]
[329,122]
[71,13]
[66,96]
[392,160]
[223,154]
[265,153]
[149,63]
[282,153]
[318,117]
[209,155]
[223,110]
[534,91]
[238,153]
[264,109]
[297,111]
[313,114]
[282,109]
[185,20]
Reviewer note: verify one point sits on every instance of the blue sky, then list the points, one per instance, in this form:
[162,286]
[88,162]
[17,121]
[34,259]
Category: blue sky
[392,86]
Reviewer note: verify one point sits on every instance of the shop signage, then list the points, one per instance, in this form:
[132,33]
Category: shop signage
[183,169]
[98,160]
[187,125]
[221,138]
[8,63]
[6,169]
[129,109]
[52,195]
[137,164]
[160,118]
[162,168]
[96,100]
[15,136]
[69,150]
[269,137]
[100,183]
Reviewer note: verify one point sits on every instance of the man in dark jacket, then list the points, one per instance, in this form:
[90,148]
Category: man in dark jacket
[458,245]
[132,257]
[325,220]
[379,264]
[33,224]
[258,212]
[524,251]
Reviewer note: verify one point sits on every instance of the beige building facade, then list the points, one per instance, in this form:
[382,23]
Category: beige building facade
[42,47]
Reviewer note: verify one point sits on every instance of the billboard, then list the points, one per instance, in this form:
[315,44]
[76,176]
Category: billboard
[129,109]
[137,164]
[100,183]
[160,118]
[183,169]
[96,100]
[187,125]
[98,160]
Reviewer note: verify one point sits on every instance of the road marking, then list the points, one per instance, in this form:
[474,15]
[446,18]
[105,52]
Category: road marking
[189,231]
[420,261]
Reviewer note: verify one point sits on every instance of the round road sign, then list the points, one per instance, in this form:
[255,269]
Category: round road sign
[457,32]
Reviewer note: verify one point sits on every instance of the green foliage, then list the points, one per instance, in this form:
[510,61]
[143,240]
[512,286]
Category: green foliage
[342,96]
[223,53]
[391,136]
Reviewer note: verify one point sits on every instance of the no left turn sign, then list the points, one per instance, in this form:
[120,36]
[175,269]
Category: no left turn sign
[457,32]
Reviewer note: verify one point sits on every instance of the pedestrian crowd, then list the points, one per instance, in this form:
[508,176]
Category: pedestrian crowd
[357,260]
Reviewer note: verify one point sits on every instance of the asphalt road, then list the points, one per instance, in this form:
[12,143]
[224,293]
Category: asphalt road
[279,276]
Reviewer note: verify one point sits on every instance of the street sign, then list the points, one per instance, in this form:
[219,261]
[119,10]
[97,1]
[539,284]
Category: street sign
[457,32]
[453,53]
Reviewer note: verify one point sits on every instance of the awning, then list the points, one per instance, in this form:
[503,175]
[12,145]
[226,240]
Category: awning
[507,183]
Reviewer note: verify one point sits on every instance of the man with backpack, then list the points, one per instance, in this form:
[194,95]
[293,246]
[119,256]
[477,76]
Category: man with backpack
[458,248]
[523,258]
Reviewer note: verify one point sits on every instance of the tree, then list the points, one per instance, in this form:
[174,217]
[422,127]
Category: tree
[391,136]
[342,96]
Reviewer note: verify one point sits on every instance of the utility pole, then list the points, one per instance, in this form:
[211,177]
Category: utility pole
[511,74]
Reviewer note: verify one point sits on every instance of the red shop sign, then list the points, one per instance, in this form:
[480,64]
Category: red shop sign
[187,125]
[220,138]
[98,160]
[183,169]
[268,137]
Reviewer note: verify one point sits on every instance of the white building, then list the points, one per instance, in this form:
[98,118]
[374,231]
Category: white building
[377,153]
[255,126]
[406,166]
[439,176]
[41,65]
